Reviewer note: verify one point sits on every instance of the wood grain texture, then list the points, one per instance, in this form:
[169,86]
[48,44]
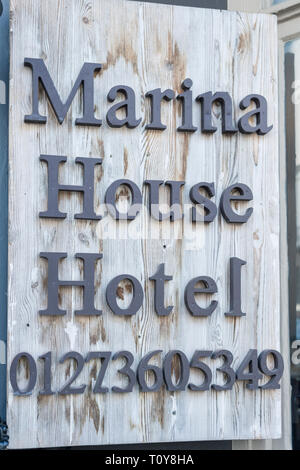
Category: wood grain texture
[144,46]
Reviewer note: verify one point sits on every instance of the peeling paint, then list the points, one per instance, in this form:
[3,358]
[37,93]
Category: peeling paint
[71,331]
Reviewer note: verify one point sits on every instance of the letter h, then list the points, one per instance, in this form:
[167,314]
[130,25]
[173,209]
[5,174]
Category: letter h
[54,187]
[88,283]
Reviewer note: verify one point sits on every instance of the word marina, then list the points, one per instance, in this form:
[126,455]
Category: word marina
[41,76]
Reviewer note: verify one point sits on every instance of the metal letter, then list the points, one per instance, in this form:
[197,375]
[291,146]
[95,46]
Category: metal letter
[196,364]
[67,389]
[225,369]
[275,373]
[224,99]
[156,98]
[32,375]
[184,371]
[261,113]
[252,376]
[187,107]
[159,291]
[245,194]
[235,288]
[106,358]
[137,199]
[41,75]
[137,298]
[54,187]
[47,358]
[144,367]
[175,205]
[88,283]
[209,207]
[130,120]
[126,370]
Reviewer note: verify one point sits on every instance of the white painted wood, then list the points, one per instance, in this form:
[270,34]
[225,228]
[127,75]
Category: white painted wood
[285,443]
[144,46]
[288,17]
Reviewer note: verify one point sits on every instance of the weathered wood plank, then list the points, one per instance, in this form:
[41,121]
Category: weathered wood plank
[143,46]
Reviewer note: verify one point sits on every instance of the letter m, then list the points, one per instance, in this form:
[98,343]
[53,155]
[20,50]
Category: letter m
[40,75]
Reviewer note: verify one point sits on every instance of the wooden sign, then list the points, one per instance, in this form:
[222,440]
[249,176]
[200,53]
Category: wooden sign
[143,296]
